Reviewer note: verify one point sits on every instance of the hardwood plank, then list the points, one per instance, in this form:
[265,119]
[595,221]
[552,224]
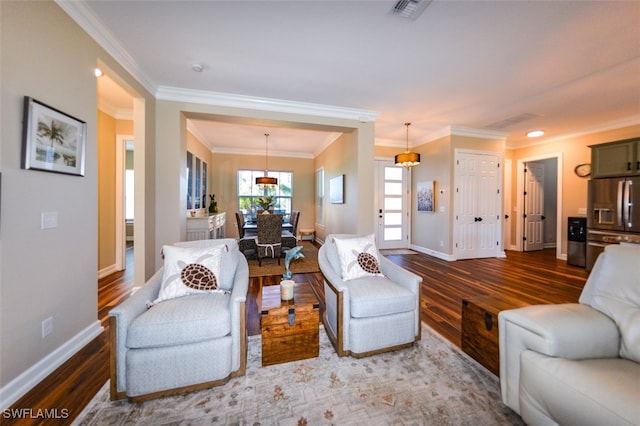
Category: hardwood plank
[535,277]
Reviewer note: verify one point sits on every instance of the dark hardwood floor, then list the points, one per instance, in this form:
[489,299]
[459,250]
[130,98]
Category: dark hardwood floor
[535,277]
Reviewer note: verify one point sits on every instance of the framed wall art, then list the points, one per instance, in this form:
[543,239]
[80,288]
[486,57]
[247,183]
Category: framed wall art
[52,140]
[336,190]
[425,197]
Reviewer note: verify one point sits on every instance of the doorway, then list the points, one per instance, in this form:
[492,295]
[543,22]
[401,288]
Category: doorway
[392,217]
[124,199]
[550,232]
[121,117]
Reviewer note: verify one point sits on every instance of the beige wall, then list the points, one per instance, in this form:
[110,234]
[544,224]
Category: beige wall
[108,129]
[47,273]
[106,190]
[340,158]
[574,151]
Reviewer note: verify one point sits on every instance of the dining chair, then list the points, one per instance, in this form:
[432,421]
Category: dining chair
[269,239]
[295,215]
[240,223]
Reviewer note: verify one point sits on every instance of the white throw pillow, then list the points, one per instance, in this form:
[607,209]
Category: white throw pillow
[358,257]
[190,270]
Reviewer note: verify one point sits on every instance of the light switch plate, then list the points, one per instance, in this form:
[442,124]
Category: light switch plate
[48,220]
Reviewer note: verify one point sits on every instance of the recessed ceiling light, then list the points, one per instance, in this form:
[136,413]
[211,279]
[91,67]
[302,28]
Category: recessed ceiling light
[98,72]
[535,133]
[197,67]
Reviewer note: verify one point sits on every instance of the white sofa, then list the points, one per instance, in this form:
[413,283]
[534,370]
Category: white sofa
[185,343]
[578,363]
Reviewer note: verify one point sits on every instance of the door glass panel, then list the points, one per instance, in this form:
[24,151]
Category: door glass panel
[393,173]
[393,188]
[393,234]
[393,203]
[391,219]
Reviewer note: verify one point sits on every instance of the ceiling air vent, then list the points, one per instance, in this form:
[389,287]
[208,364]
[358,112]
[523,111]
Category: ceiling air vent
[516,119]
[410,8]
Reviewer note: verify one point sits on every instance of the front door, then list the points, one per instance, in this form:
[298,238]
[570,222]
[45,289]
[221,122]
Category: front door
[391,208]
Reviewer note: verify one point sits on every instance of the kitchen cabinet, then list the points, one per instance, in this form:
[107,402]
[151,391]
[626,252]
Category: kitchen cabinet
[621,158]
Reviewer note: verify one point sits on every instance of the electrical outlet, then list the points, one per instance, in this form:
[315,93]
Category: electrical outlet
[47,327]
[582,210]
[441,243]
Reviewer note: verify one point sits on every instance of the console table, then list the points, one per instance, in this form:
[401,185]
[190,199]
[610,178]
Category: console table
[206,227]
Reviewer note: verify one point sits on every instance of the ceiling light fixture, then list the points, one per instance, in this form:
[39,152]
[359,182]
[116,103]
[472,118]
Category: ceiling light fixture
[266,180]
[197,67]
[535,133]
[98,72]
[408,159]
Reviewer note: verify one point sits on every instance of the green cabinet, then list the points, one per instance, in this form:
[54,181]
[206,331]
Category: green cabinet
[621,158]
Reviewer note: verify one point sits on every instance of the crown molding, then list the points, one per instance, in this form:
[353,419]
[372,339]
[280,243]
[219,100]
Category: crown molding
[117,113]
[86,19]
[284,154]
[476,133]
[178,94]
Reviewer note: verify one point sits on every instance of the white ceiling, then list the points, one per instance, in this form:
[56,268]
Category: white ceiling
[510,66]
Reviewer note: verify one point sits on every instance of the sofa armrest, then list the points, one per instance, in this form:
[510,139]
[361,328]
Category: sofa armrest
[572,330]
[400,276]
[237,302]
[120,318]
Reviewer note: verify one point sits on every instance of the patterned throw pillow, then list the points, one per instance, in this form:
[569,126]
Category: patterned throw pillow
[358,257]
[190,270]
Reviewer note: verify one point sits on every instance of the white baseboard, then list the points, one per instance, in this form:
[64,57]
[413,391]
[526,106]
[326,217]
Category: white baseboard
[22,384]
[439,255]
[107,271]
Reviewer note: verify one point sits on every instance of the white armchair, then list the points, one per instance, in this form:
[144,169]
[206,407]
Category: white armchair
[184,343]
[578,363]
[373,313]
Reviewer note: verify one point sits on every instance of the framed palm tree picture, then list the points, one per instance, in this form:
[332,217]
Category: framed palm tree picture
[52,140]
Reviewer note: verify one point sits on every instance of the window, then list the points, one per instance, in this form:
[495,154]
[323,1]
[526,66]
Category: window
[248,192]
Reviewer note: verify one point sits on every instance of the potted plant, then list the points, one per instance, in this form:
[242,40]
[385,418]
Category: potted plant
[265,202]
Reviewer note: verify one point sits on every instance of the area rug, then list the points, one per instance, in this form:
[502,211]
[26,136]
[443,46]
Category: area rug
[298,266]
[432,383]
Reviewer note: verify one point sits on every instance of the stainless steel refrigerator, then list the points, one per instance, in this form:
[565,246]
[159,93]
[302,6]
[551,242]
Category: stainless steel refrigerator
[612,217]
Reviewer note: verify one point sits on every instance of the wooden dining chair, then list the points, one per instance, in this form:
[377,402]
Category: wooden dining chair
[269,239]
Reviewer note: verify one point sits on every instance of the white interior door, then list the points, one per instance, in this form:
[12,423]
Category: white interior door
[477,206]
[533,206]
[392,210]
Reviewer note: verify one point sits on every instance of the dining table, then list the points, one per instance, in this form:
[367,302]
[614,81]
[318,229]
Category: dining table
[251,229]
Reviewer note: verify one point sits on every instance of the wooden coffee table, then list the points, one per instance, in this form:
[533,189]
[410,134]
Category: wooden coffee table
[290,329]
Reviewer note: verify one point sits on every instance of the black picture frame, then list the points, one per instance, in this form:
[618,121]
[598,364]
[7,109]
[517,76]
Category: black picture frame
[52,140]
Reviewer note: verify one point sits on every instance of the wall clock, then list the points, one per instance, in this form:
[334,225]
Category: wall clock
[583,170]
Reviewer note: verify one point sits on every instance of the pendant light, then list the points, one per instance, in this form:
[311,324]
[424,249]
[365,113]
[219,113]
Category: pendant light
[408,159]
[266,180]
